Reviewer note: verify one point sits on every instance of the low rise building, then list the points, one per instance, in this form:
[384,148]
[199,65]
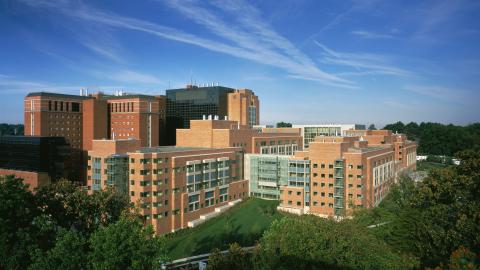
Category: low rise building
[174,187]
[310,132]
[213,133]
[345,173]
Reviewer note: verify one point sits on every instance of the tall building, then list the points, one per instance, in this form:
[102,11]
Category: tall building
[84,118]
[175,187]
[244,107]
[37,160]
[135,116]
[192,103]
[213,133]
[309,132]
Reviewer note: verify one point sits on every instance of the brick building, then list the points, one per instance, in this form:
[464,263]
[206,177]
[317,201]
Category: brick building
[345,173]
[175,187]
[213,133]
[244,107]
[84,118]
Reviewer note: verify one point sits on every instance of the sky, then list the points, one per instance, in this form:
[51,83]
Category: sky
[328,61]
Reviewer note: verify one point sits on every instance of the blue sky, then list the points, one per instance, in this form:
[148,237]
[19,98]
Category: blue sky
[312,61]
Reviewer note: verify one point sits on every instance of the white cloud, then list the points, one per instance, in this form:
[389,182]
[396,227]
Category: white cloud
[130,76]
[12,85]
[371,35]
[442,93]
[362,63]
[254,40]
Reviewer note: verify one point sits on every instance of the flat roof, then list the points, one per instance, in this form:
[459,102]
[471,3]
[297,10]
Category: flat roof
[365,149]
[49,94]
[169,149]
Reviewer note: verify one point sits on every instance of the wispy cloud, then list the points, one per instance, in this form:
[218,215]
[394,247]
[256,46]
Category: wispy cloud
[361,63]
[371,35]
[102,50]
[13,85]
[253,39]
[449,94]
[129,76]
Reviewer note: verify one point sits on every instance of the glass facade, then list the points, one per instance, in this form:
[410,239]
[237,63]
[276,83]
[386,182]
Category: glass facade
[37,154]
[339,188]
[193,103]
[207,174]
[266,174]
[299,176]
[117,172]
[311,132]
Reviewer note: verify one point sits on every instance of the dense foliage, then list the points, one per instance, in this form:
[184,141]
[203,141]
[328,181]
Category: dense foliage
[439,139]
[283,124]
[11,129]
[61,226]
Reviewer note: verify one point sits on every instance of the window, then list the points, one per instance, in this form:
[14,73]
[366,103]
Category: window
[330,166]
[132,171]
[359,167]
[299,203]
[330,176]
[359,196]
[322,194]
[315,165]
[289,202]
[330,195]
[315,193]
[322,166]
[322,175]
[315,203]
[315,184]
[359,186]
[315,174]
[322,184]
[289,192]
[359,176]
[299,193]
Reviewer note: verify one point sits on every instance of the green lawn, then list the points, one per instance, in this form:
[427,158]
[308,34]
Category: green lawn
[244,224]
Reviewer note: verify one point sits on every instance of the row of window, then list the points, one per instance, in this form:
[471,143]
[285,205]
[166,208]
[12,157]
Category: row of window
[63,106]
[330,166]
[359,176]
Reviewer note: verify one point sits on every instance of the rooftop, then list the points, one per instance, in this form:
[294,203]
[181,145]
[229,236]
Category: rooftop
[48,94]
[169,149]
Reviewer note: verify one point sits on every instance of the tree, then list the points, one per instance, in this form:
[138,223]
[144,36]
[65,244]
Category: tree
[70,252]
[309,242]
[70,206]
[235,258]
[126,244]
[442,214]
[372,127]
[17,231]
[283,124]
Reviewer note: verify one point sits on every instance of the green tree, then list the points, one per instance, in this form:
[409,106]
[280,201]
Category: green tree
[70,252]
[309,242]
[235,258]
[70,206]
[372,127]
[283,124]
[17,231]
[126,244]
[442,213]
